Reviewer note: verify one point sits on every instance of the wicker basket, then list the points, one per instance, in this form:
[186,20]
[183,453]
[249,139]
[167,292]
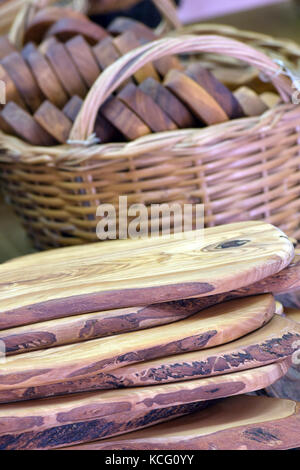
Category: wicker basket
[242,169]
[16,14]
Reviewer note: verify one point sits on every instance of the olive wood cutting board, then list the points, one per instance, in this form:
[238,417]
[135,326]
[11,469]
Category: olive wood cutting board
[106,323]
[236,423]
[104,424]
[80,328]
[271,343]
[289,385]
[218,325]
[94,278]
[76,419]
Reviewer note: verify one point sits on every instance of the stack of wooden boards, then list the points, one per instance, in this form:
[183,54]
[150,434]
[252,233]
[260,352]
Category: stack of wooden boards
[118,336]
[63,55]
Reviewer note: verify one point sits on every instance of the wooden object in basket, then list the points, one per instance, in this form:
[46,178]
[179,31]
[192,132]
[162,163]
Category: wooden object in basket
[66,28]
[6,47]
[271,343]
[105,131]
[169,103]
[84,59]
[45,18]
[123,25]
[201,103]
[53,121]
[19,72]
[72,108]
[146,109]
[127,42]
[251,103]
[12,93]
[236,423]
[125,120]
[93,278]
[64,67]
[218,325]
[106,52]
[25,126]
[216,89]
[270,99]
[46,79]
[82,418]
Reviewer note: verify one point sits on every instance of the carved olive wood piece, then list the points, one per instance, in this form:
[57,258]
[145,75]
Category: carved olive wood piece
[78,280]
[77,419]
[236,423]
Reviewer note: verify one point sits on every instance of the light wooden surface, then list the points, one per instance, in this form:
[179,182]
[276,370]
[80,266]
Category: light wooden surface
[56,332]
[269,344]
[217,325]
[112,274]
[237,423]
[72,419]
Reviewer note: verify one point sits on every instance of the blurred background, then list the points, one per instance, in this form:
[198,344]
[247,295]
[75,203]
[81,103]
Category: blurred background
[278,18]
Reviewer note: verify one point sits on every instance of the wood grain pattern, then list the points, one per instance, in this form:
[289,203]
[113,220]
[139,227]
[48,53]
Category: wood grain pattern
[289,385]
[237,423]
[169,103]
[53,121]
[218,325]
[25,126]
[79,280]
[201,103]
[271,343]
[146,109]
[101,324]
[66,28]
[45,77]
[106,52]
[64,67]
[251,103]
[84,59]
[82,418]
[46,17]
[126,42]
[216,89]
[72,108]
[125,120]
[22,77]
[79,328]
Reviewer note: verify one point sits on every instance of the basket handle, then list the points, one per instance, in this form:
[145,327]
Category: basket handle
[126,66]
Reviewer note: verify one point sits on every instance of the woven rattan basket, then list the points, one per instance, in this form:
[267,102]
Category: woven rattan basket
[16,14]
[242,169]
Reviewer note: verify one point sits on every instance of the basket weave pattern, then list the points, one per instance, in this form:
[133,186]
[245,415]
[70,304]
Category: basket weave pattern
[242,169]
